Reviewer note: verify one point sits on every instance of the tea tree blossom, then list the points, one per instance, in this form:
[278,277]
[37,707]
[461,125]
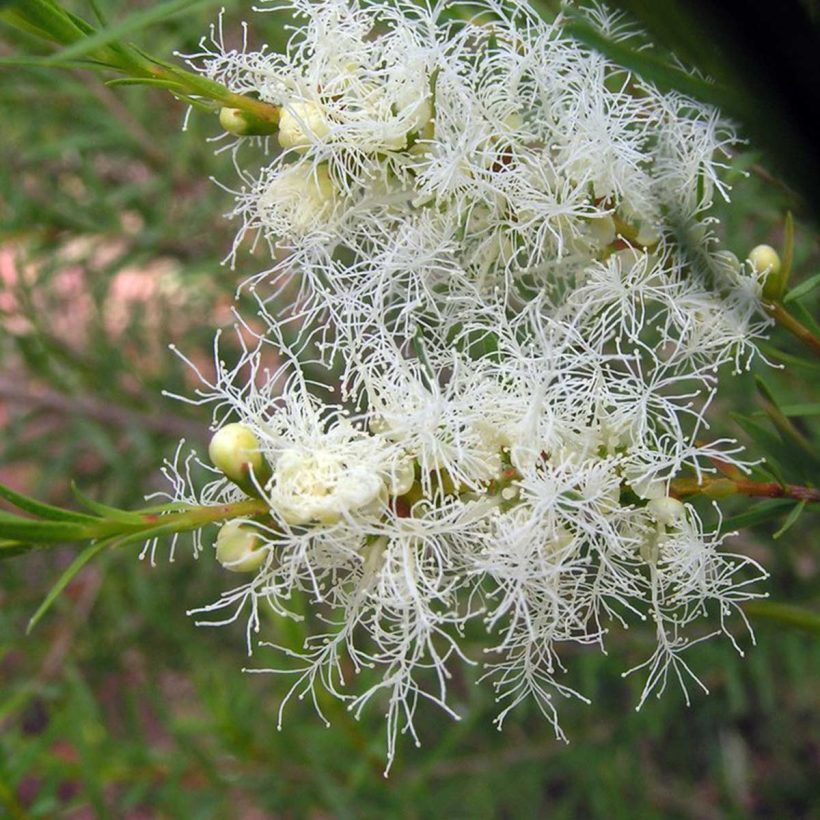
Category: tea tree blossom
[503,261]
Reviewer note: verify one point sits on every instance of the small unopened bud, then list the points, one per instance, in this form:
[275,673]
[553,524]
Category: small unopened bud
[300,124]
[303,195]
[650,548]
[765,261]
[239,548]
[726,263]
[647,236]
[232,121]
[666,510]
[602,230]
[244,124]
[234,450]
[401,478]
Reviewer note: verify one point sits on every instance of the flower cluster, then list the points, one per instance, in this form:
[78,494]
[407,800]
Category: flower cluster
[500,257]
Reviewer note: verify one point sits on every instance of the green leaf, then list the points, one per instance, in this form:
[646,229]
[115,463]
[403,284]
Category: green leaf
[805,409]
[761,435]
[23,62]
[35,507]
[757,514]
[772,469]
[135,22]
[784,426]
[765,390]
[804,363]
[168,528]
[45,19]
[657,71]
[103,510]
[151,81]
[88,553]
[798,291]
[16,528]
[198,84]
[171,506]
[10,548]
[788,253]
[791,518]
[73,568]
[194,102]
[98,12]
[787,614]
[801,312]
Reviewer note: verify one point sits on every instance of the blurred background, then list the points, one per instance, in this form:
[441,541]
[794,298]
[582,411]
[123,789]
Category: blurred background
[111,237]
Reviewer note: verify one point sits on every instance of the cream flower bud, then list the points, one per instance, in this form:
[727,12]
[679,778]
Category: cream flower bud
[650,549]
[666,510]
[238,548]
[765,259]
[765,262]
[243,124]
[416,115]
[300,124]
[629,258]
[299,199]
[234,450]
[601,230]
[232,121]
[647,235]
[727,263]
[402,477]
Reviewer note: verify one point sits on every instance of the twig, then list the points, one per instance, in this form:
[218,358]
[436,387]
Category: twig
[785,319]
[720,487]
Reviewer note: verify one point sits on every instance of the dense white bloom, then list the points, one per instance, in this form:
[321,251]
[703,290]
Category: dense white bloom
[300,199]
[504,262]
[335,478]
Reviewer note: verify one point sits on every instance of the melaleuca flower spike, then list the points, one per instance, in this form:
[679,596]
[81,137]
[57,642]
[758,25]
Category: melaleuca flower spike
[497,245]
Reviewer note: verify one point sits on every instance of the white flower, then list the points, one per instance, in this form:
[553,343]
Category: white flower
[300,199]
[300,123]
[498,247]
[337,478]
[666,510]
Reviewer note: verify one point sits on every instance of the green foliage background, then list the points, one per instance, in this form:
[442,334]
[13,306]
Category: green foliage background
[118,706]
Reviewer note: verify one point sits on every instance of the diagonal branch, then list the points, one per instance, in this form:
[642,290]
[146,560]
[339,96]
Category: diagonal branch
[721,487]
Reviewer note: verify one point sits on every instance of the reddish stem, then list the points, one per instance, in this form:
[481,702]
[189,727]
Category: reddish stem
[720,487]
[793,325]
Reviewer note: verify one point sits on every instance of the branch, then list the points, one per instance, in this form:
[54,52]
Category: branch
[785,319]
[721,487]
[109,526]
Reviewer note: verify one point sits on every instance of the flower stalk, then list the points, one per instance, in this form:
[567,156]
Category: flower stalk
[723,487]
[54,526]
[789,322]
